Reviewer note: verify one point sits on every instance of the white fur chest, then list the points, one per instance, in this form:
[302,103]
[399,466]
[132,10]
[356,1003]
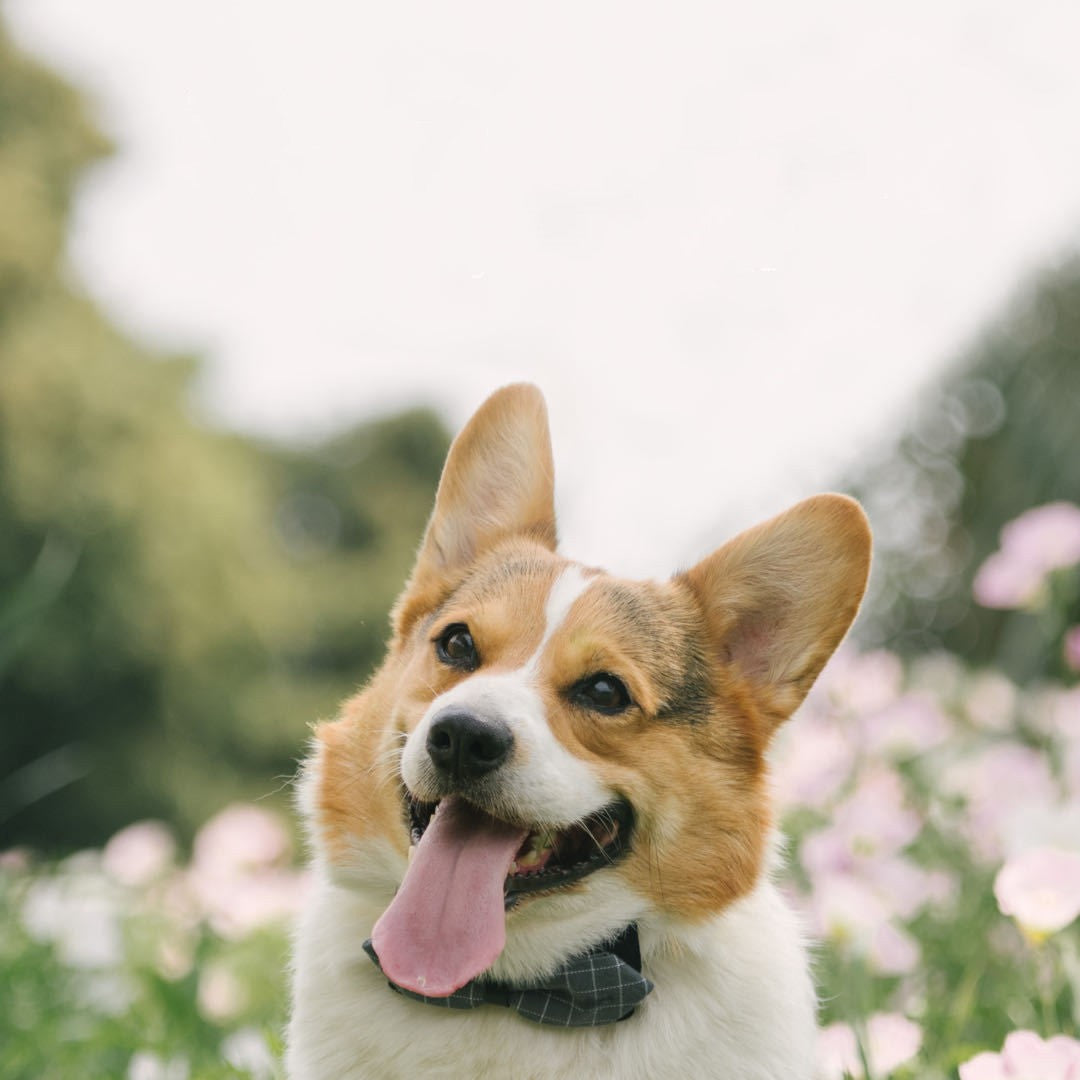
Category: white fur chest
[733,1000]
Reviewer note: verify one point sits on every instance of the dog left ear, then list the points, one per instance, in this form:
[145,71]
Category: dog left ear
[498,481]
[779,598]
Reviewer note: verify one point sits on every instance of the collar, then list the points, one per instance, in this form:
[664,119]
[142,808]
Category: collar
[600,986]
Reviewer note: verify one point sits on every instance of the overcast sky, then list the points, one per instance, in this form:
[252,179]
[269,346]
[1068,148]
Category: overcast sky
[729,241]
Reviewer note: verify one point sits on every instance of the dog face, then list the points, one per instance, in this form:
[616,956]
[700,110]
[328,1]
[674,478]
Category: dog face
[550,752]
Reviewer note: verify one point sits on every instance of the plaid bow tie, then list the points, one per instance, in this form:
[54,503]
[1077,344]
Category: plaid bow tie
[598,987]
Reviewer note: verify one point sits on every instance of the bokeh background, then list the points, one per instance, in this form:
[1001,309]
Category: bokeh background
[257,263]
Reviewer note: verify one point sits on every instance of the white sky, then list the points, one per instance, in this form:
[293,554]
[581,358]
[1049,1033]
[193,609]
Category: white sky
[728,240]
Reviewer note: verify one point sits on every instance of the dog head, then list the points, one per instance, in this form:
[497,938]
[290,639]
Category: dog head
[553,752]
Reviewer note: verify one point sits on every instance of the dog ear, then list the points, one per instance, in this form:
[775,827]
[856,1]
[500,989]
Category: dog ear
[779,598]
[498,481]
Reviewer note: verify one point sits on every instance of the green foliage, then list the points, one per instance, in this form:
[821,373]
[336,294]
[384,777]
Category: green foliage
[45,143]
[997,435]
[176,603]
[61,1020]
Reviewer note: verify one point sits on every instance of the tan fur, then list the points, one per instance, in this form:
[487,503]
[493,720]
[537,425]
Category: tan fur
[498,481]
[780,596]
[359,795]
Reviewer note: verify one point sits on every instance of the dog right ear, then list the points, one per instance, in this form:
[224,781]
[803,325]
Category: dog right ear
[498,481]
[780,596]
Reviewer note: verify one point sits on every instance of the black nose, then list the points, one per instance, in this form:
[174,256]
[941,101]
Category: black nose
[464,747]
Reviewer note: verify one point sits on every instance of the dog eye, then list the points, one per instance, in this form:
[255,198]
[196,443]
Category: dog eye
[455,646]
[602,693]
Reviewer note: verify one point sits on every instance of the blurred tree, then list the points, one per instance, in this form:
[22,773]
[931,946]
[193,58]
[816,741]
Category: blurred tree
[176,604]
[998,434]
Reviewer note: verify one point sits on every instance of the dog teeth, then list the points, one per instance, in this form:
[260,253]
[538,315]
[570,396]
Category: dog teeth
[529,859]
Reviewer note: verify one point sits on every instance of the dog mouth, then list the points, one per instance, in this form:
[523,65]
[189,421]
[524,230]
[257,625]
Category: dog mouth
[447,921]
[551,857]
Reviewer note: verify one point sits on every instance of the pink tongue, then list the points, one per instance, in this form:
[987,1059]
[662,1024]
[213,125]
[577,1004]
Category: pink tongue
[447,923]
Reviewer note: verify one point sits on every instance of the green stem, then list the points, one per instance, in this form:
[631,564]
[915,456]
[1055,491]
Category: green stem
[1070,963]
[859,1004]
[964,999]
[1044,977]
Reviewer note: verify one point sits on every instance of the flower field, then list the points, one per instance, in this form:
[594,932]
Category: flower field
[125,963]
[933,813]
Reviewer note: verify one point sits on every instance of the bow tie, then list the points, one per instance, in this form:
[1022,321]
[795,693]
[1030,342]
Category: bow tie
[598,987]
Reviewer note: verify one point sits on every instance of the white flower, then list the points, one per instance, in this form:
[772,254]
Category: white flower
[246,1050]
[891,1040]
[1027,1057]
[146,1065]
[79,915]
[221,995]
[1040,889]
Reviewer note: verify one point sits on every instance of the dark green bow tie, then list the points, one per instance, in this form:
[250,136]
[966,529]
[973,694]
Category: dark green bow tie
[598,987]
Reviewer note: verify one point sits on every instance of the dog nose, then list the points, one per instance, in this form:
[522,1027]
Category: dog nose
[464,747]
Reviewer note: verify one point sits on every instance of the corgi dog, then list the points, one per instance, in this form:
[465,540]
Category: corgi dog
[542,838]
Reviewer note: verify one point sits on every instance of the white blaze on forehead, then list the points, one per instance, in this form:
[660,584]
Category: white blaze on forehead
[543,780]
[569,585]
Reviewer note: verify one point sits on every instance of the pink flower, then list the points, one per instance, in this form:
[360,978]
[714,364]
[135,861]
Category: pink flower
[1072,767]
[874,818]
[1004,582]
[990,701]
[140,853]
[1071,647]
[812,761]
[851,912]
[845,908]
[995,783]
[1006,770]
[1040,540]
[238,905]
[1060,713]
[912,724]
[240,837]
[1047,536]
[838,1053]
[908,887]
[891,1040]
[1027,1057]
[860,682]
[238,874]
[15,860]
[893,951]
[1040,889]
